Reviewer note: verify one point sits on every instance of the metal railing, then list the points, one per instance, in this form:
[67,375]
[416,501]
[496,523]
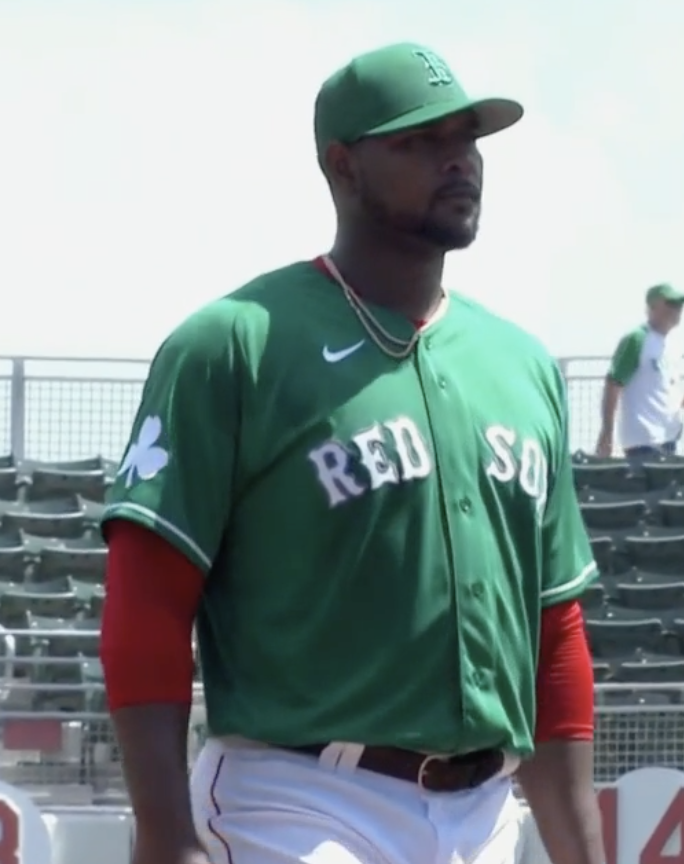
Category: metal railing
[70,409]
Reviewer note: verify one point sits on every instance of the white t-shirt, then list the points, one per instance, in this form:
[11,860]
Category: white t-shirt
[648,366]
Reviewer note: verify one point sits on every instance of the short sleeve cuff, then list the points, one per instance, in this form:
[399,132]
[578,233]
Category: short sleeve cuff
[171,533]
[572,588]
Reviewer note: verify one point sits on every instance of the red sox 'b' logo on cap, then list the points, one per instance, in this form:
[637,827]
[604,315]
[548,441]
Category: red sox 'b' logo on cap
[438,71]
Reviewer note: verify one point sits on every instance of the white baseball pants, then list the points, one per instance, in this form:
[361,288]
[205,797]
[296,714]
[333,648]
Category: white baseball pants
[259,805]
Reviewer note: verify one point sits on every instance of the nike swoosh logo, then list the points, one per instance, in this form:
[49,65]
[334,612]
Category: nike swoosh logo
[335,356]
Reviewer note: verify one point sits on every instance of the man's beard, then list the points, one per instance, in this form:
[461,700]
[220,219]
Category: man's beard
[428,229]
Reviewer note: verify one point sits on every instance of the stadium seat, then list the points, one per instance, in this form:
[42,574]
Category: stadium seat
[677,626]
[56,598]
[86,477]
[609,476]
[616,514]
[49,517]
[82,557]
[64,637]
[602,547]
[659,550]
[629,699]
[664,472]
[651,668]
[62,656]
[620,631]
[672,514]
[8,478]
[651,592]
[13,554]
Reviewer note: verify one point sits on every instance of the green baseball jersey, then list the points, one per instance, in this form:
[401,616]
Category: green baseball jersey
[378,536]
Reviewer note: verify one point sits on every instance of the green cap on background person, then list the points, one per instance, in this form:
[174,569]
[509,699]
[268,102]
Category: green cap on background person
[664,292]
[398,87]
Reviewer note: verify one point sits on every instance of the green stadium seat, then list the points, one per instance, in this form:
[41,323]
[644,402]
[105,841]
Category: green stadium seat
[660,550]
[610,476]
[608,516]
[602,548]
[13,554]
[83,557]
[650,668]
[660,474]
[64,638]
[677,627]
[672,513]
[56,598]
[50,517]
[630,699]
[12,614]
[651,593]
[86,477]
[63,662]
[8,480]
[93,674]
[96,602]
[621,631]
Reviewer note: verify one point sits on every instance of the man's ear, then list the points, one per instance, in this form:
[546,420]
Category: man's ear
[339,167]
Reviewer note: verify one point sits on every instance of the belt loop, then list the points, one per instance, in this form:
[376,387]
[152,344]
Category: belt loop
[341,756]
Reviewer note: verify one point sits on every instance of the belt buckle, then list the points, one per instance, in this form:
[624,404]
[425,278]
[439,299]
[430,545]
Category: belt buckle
[425,764]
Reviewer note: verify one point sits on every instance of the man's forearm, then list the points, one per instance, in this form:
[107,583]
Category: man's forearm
[153,744]
[609,402]
[558,784]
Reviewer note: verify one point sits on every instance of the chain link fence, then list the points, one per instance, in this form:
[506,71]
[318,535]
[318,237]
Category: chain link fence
[59,410]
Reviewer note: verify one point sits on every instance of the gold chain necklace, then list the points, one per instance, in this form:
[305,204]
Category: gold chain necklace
[369,322]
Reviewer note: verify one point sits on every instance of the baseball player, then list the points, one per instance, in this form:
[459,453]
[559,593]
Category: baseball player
[357,485]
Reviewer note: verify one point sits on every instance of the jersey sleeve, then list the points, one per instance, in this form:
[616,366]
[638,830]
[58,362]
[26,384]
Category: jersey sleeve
[568,563]
[176,475]
[625,360]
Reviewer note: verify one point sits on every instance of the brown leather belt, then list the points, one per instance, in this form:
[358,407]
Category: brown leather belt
[433,773]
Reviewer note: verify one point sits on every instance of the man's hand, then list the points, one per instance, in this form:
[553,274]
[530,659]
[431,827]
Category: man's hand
[604,446]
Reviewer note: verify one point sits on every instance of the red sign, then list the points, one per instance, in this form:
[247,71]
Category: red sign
[643,818]
[10,833]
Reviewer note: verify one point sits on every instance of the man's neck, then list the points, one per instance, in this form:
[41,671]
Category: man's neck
[406,282]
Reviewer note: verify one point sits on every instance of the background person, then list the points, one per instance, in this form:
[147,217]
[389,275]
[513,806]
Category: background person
[644,379]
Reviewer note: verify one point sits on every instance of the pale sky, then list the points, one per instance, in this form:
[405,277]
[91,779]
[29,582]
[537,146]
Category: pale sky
[155,155]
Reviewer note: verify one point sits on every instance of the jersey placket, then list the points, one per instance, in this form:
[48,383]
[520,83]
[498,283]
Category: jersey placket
[453,432]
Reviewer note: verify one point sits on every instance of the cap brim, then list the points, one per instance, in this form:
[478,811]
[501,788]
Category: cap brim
[667,296]
[493,115]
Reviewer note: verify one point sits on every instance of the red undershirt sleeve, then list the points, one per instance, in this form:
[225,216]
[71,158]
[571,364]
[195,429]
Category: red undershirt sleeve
[153,593]
[565,678]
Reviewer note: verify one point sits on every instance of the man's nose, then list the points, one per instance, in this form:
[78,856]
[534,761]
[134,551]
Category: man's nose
[459,159]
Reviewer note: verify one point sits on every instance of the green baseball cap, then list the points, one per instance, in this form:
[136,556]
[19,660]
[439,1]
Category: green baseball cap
[398,87]
[664,292]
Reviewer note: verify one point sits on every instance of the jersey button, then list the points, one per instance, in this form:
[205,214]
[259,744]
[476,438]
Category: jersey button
[442,384]
[466,505]
[479,680]
[478,589]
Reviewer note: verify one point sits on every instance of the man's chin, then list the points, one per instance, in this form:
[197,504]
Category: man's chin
[452,238]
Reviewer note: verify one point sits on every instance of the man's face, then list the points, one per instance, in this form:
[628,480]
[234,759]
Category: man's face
[424,183]
[665,314]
